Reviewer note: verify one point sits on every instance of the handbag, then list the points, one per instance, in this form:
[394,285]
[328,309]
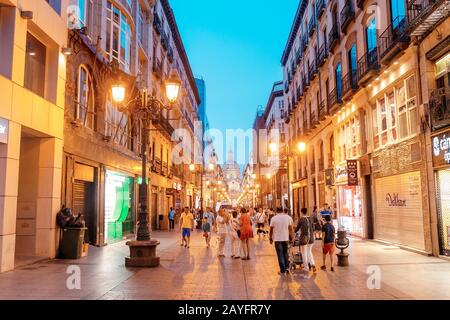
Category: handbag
[304,237]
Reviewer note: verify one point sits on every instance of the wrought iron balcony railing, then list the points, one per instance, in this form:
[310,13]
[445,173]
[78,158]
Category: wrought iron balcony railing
[334,99]
[312,70]
[312,25]
[157,24]
[321,6]
[394,39]
[163,124]
[439,104]
[286,87]
[424,15]
[322,110]
[349,83]
[368,66]
[347,14]
[333,37]
[304,42]
[298,56]
[322,54]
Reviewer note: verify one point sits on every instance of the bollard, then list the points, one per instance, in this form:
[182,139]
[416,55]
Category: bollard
[342,243]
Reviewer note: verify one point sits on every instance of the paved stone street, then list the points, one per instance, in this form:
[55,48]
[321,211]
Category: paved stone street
[197,273]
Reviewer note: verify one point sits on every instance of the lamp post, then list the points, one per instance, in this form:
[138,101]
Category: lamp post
[301,148]
[144,107]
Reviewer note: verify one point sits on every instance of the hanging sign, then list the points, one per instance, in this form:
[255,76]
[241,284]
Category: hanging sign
[352,172]
[441,149]
[4,125]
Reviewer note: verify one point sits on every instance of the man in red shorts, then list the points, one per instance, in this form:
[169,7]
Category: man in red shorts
[328,234]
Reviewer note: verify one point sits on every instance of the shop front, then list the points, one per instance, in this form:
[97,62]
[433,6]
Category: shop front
[399,210]
[119,206]
[349,202]
[300,195]
[441,164]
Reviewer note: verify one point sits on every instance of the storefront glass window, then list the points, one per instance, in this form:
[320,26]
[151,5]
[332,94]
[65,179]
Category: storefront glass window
[350,209]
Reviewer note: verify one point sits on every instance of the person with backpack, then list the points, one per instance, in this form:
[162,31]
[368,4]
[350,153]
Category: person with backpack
[304,226]
[328,235]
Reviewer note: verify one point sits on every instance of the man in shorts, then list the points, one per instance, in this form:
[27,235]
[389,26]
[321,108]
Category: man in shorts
[328,235]
[186,225]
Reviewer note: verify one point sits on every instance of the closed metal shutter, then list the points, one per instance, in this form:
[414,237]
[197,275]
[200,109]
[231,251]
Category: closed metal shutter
[399,215]
[83,202]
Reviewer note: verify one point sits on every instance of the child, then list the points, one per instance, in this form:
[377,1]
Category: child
[206,227]
[328,235]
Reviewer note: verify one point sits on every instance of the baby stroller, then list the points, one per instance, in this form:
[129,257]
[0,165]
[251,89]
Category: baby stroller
[295,256]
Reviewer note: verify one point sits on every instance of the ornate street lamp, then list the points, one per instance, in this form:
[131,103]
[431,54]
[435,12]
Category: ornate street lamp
[145,107]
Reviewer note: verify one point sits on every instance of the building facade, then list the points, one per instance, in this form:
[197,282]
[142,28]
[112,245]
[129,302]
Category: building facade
[353,89]
[136,43]
[32,77]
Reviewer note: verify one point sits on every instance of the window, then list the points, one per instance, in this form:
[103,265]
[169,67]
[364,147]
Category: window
[338,75]
[35,65]
[352,60]
[396,114]
[118,36]
[117,125]
[56,5]
[371,35]
[397,12]
[86,12]
[85,111]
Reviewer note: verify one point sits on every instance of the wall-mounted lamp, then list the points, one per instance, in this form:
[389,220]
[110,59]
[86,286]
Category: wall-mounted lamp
[66,51]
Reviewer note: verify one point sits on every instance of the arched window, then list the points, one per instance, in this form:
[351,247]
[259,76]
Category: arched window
[371,35]
[85,108]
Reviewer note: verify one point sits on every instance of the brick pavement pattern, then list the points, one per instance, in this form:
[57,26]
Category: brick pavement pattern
[197,273]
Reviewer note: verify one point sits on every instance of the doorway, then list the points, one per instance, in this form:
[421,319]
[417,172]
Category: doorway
[154,211]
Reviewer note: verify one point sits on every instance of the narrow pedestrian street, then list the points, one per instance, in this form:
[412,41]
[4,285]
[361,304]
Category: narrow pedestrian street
[197,274]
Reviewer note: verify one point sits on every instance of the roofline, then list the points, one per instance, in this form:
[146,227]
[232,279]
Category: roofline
[295,26]
[273,95]
[180,46]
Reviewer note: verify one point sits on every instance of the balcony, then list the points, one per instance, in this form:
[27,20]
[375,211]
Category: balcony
[425,15]
[165,169]
[312,72]
[439,104]
[360,3]
[334,101]
[313,119]
[349,84]
[393,40]
[305,42]
[313,167]
[312,26]
[163,125]
[305,81]
[368,66]
[333,37]
[298,56]
[306,129]
[164,41]
[299,94]
[157,24]
[157,68]
[286,87]
[322,110]
[321,164]
[170,54]
[347,14]
[322,54]
[156,165]
[321,7]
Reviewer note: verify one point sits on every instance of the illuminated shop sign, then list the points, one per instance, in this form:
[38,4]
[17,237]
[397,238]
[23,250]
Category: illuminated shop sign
[394,200]
[4,124]
[441,149]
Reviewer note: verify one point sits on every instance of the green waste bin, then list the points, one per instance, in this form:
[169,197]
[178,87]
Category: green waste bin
[72,243]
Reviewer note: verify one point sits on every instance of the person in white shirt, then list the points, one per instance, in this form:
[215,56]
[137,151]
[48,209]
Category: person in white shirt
[222,221]
[261,219]
[281,233]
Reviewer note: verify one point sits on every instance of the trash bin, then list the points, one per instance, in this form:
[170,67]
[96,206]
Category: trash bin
[72,243]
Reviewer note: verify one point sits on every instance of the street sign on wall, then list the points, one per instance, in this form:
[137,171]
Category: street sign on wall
[352,172]
[4,126]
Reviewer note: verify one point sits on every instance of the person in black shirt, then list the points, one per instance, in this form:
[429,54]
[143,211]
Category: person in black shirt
[328,235]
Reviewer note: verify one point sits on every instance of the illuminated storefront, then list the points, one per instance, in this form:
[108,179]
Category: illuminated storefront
[441,163]
[119,207]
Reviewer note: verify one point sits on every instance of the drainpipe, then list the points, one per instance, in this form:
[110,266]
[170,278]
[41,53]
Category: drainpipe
[423,137]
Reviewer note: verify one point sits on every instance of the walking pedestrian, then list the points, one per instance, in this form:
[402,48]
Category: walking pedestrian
[261,223]
[222,231]
[328,235]
[186,226]
[271,215]
[235,231]
[246,233]
[206,227]
[281,233]
[305,229]
[310,245]
[210,216]
[318,223]
[171,219]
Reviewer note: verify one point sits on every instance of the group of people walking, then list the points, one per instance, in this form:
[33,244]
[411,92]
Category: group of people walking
[237,227]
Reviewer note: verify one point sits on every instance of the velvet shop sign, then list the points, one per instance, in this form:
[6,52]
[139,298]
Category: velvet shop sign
[394,200]
[441,149]
[4,126]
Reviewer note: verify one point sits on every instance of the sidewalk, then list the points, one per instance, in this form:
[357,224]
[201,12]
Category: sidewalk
[197,273]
